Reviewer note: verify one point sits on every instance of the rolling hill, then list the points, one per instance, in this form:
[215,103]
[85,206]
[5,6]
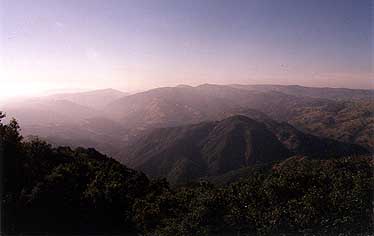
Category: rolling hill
[345,120]
[172,106]
[325,92]
[74,119]
[96,99]
[214,148]
[108,119]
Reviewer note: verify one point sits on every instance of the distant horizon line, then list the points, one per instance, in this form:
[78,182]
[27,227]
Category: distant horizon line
[83,90]
[64,90]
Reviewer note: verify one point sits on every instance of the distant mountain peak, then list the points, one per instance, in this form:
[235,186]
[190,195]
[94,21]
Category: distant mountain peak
[208,148]
[184,86]
[94,98]
[207,85]
[240,118]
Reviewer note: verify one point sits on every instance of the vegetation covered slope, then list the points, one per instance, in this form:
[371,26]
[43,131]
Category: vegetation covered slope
[344,115]
[297,197]
[49,190]
[297,90]
[190,152]
[348,121]
[173,106]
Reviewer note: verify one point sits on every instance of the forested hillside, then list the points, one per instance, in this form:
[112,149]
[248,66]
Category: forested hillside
[80,191]
[186,153]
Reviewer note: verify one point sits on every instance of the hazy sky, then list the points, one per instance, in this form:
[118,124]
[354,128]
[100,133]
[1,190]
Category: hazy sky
[130,45]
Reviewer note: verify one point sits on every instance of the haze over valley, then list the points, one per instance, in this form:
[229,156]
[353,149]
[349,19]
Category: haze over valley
[136,128]
[187,118]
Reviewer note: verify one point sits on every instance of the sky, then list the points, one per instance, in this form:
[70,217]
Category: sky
[135,45]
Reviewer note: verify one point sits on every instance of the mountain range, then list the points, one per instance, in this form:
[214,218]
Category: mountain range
[187,132]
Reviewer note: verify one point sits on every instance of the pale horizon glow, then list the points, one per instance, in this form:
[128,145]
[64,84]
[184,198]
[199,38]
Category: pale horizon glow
[137,45]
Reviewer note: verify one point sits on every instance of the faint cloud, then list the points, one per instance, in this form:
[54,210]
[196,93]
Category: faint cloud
[59,24]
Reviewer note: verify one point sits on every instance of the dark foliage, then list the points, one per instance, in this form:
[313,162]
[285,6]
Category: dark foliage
[49,189]
[298,196]
[66,191]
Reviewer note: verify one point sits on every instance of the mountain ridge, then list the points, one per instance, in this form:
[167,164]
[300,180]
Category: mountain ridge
[349,121]
[184,153]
